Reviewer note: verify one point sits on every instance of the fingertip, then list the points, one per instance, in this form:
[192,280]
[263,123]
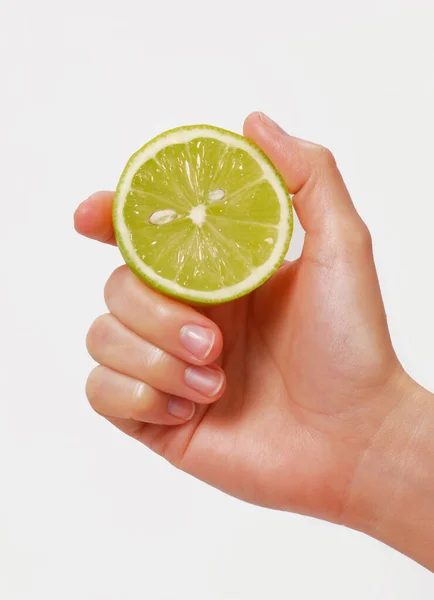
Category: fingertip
[255,128]
[93,217]
[310,174]
[285,151]
[202,342]
[258,124]
[251,121]
[181,408]
[218,344]
[81,217]
[206,384]
[220,386]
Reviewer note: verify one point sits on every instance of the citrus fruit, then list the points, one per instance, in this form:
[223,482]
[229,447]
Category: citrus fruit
[200,213]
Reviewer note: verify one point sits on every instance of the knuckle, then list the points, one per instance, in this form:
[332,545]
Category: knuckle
[94,388]
[99,333]
[361,238]
[357,243]
[162,311]
[141,401]
[324,158]
[115,283]
[124,293]
[155,358]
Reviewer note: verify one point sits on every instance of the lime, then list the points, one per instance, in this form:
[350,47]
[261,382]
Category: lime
[200,213]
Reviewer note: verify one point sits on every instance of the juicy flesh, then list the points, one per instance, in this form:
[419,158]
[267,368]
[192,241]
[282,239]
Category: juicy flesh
[202,214]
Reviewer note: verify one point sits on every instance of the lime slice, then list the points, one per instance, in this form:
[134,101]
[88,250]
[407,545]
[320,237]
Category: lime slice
[200,213]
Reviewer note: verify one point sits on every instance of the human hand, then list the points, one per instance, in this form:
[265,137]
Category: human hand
[284,406]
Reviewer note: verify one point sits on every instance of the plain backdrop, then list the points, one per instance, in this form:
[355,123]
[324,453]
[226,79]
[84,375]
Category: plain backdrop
[84,511]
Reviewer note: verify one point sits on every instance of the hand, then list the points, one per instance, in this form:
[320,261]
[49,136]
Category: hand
[278,397]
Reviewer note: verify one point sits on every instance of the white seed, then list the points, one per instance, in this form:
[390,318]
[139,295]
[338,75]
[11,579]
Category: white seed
[216,195]
[269,240]
[160,217]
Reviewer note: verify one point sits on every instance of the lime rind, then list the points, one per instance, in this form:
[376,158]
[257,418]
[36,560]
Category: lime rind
[183,135]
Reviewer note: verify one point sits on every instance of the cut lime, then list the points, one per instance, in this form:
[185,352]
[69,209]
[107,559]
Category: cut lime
[200,213]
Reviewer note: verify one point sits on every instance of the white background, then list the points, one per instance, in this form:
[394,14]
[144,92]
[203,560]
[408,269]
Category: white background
[86,513]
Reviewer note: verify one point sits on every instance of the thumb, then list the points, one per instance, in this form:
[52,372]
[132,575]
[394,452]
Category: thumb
[321,199]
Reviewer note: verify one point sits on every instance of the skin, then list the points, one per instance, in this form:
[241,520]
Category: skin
[315,414]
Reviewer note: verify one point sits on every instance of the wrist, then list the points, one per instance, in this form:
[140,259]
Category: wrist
[392,496]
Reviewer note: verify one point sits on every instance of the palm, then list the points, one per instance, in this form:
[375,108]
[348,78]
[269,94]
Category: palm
[283,434]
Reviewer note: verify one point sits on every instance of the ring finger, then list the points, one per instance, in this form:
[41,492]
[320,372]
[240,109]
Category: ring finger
[118,396]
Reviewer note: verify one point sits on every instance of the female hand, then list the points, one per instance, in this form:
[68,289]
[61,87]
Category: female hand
[288,398]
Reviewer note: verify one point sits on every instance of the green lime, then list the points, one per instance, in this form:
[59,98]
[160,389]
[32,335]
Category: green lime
[200,213]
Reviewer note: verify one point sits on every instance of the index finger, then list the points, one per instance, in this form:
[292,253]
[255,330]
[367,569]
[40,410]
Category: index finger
[93,218]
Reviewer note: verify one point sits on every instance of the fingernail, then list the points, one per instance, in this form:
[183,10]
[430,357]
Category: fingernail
[270,123]
[204,380]
[181,408]
[197,340]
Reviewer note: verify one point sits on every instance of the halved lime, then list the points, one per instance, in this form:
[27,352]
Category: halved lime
[200,213]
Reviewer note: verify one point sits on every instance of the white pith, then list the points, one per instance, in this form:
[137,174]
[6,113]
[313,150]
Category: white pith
[198,214]
[182,137]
